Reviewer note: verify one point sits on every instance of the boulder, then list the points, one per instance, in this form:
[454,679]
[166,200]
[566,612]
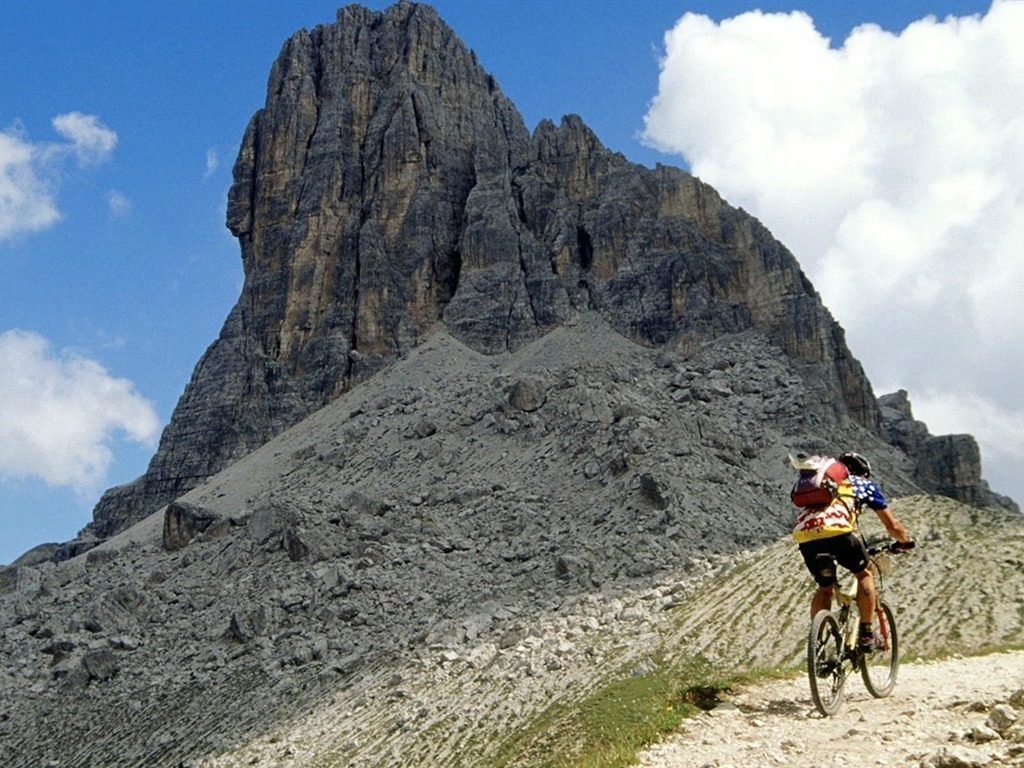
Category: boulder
[183,522]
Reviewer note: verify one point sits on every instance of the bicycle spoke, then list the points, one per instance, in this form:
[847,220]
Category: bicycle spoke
[825,666]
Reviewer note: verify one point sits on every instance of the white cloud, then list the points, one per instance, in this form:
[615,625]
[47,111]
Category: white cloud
[30,172]
[58,414]
[91,141]
[26,200]
[119,204]
[892,167]
[212,162]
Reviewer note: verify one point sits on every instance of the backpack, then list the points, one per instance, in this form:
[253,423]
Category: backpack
[818,482]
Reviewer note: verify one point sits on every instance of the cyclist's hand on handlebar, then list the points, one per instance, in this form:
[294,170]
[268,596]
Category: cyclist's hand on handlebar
[903,546]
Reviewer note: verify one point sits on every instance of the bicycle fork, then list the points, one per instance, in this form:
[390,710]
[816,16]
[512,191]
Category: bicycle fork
[850,623]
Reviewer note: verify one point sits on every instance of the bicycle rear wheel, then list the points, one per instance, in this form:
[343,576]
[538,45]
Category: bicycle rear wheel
[825,663]
[879,667]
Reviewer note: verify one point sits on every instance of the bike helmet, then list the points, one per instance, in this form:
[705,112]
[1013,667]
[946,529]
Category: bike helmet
[857,464]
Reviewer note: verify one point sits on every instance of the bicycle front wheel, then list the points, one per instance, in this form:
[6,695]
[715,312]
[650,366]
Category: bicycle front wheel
[825,663]
[879,667]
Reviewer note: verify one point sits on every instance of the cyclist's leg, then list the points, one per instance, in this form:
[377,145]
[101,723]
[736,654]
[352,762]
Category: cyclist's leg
[866,596]
[851,553]
[822,566]
[822,600]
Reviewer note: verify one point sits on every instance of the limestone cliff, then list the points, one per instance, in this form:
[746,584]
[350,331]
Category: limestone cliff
[948,465]
[388,189]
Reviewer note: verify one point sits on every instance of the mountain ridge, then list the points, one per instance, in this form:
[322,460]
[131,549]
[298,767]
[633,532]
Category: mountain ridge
[496,416]
[388,188]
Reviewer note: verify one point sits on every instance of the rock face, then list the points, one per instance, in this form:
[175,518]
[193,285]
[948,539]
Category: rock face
[388,189]
[949,465]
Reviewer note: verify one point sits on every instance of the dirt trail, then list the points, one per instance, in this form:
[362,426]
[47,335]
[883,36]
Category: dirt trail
[936,716]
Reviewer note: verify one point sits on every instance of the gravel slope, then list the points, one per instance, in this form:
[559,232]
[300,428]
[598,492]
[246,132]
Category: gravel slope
[941,713]
[418,571]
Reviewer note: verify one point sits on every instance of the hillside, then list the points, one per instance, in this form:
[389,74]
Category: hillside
[455,707]
[433,559]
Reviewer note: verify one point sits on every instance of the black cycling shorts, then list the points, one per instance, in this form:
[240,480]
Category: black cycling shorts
[821,556]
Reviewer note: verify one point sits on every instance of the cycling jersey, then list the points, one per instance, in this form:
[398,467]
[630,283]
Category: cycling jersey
[839,517]
[866,492]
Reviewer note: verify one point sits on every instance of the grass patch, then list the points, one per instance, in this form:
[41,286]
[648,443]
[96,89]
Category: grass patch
[616,722]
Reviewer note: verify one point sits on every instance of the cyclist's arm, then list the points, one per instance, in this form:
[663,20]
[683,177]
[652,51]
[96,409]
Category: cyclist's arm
[893,526]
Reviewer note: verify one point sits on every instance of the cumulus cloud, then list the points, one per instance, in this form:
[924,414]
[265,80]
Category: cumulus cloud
[892,166]
[996,426]
[30,171]
[90,140]
[27,201]
[59,412]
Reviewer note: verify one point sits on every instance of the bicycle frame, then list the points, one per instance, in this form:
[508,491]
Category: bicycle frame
[846,604]
[846,601]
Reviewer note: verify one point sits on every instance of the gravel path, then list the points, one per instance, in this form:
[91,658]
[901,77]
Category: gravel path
[940,714]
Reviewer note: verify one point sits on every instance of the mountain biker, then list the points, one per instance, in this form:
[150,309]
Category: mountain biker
[826,537]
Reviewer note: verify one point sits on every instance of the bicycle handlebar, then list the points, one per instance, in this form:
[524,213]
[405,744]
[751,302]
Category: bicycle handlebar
[894,547]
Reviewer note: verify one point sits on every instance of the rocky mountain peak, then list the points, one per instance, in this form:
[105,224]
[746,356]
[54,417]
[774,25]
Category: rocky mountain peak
[388,190]
[493,419]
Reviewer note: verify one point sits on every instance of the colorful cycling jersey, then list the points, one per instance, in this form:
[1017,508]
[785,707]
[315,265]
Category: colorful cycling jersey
[866,492]
[834,519]
[840,516]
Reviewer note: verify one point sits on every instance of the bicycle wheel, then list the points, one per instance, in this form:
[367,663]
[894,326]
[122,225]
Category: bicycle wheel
[825,663]
[879,667]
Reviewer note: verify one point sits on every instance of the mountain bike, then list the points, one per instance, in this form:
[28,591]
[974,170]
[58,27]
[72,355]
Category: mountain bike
[832,653]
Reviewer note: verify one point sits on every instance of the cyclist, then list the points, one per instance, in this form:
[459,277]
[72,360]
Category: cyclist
[826,537]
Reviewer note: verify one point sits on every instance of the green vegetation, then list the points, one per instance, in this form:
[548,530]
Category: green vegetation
[617,721]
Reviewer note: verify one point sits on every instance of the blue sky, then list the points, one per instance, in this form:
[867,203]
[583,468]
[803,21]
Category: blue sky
[120,122]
